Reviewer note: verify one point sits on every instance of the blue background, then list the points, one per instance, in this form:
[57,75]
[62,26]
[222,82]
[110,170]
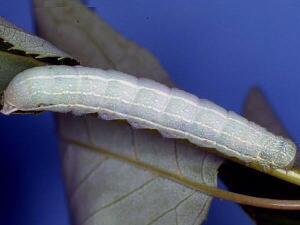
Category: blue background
[212,48]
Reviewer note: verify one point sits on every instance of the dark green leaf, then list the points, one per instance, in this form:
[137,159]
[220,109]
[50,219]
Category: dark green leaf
[20,50]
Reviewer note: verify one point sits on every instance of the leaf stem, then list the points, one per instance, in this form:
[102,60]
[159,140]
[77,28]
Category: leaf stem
[291,175]
[213,191]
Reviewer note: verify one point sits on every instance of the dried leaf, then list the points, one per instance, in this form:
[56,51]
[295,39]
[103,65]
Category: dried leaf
[111,169]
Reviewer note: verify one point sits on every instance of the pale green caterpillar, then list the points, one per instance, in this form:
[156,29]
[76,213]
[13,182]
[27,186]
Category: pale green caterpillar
[146,104]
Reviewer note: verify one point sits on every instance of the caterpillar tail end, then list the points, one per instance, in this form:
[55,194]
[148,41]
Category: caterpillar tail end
[8,109]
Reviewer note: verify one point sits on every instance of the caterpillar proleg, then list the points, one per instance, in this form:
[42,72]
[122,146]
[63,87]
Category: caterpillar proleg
[146,104]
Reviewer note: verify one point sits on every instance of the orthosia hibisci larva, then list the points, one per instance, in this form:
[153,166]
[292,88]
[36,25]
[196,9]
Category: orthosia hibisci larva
[146,104]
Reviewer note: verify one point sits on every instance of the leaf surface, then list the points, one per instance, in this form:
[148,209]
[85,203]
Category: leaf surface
[115,174]
[20,50]
[27,43]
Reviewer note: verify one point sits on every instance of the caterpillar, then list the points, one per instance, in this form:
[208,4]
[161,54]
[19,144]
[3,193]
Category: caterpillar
[146,104]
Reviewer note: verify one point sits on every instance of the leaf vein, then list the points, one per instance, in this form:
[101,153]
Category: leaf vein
[171,209]
[118,200]
[76,189]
